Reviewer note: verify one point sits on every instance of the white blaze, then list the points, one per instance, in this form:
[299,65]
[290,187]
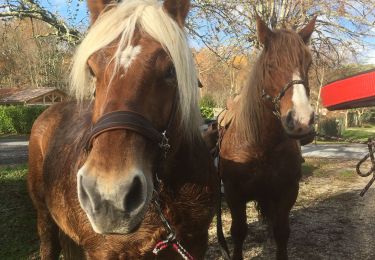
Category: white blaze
[302,107]
[128,55]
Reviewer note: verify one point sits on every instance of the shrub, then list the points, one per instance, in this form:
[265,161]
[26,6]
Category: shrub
[6,125]
[330,127]
[207,112]
[367,117]
[207,101]
[18,119]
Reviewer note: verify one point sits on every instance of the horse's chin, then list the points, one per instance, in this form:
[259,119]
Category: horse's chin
[115,221]
[121,224]
[307,135]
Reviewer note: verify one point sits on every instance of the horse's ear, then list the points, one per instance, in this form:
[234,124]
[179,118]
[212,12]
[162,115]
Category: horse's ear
[264,33]
[96,7]
[178,10]
[306,32]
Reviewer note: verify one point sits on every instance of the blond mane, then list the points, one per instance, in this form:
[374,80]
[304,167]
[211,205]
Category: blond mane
[285,53]
[120,22]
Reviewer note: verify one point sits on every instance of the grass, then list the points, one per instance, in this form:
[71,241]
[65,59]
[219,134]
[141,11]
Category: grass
[359,133]
[18,239]
[329,168]
[354,133]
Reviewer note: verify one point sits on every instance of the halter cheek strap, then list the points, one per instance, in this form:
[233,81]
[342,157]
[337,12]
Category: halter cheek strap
[276,100]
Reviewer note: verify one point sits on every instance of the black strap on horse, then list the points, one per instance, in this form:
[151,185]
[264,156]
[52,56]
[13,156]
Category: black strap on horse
[127,120]
[371,151]
[133,121]
[276,100]
[219,223]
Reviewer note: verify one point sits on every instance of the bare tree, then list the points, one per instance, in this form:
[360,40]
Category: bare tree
[30,61]
[34,10]
[342,26]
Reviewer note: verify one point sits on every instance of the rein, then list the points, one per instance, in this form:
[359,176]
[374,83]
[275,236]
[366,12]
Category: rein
[135,122]
[171,240]
[219,222]
[276,100]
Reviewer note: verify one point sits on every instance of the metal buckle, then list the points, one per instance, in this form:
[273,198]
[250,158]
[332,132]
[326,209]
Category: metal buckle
[164,143]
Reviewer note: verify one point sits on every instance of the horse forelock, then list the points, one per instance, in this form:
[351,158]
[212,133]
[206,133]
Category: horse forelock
[120,22]
[286,53]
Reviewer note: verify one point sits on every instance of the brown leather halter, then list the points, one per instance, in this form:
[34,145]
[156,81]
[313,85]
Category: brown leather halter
[133,121]
[276,100]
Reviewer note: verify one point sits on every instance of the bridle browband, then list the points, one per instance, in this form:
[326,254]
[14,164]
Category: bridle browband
[276,100]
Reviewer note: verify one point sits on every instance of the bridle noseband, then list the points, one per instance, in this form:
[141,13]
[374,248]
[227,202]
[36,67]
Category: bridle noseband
[276,100]
[135,122]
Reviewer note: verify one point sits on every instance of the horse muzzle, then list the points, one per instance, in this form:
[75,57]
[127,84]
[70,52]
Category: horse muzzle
[114,206]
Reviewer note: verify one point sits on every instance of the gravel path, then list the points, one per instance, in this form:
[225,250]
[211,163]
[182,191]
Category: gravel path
[13,150]
[345,151]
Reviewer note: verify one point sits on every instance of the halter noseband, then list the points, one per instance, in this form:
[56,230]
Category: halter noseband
[276,100]
[133,121]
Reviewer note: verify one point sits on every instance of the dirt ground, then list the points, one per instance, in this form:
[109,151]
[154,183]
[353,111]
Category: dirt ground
[329,221]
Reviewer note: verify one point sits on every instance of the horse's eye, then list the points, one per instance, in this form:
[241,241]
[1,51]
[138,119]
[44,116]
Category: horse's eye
[171,73]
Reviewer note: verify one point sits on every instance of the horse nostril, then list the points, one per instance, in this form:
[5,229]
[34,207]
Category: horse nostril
[88,196]
[134,198]
[289,120]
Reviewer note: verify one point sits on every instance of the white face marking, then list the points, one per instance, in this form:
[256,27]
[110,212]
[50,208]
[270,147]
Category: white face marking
[128,55]
[302,107]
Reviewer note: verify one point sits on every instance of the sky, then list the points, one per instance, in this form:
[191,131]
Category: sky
[74,11]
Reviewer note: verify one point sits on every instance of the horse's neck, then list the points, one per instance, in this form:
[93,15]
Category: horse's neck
[183,160]
[271,130]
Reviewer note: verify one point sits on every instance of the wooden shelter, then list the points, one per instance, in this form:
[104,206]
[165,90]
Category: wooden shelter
[28,97]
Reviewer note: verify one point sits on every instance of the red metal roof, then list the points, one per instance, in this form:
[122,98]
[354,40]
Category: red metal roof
[351,92]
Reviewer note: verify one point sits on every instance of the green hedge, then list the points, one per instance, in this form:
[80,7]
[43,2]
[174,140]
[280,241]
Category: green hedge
[207,112]
[330,127]
[18,119]
[207,104]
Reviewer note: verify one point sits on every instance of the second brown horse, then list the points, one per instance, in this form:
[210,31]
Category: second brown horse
[260,159]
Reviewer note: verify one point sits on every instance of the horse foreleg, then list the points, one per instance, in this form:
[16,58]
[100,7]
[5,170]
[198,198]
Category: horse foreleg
[49,236]
[281,231]
[280,224]
[239,225]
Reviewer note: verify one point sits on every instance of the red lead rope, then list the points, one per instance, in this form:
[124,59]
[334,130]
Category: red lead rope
[175,245]
[171,240]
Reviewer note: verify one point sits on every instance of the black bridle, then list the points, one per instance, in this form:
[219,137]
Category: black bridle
[276,100]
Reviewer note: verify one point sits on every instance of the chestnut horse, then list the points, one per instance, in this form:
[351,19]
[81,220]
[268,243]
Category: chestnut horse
[129,169]
[260,159]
